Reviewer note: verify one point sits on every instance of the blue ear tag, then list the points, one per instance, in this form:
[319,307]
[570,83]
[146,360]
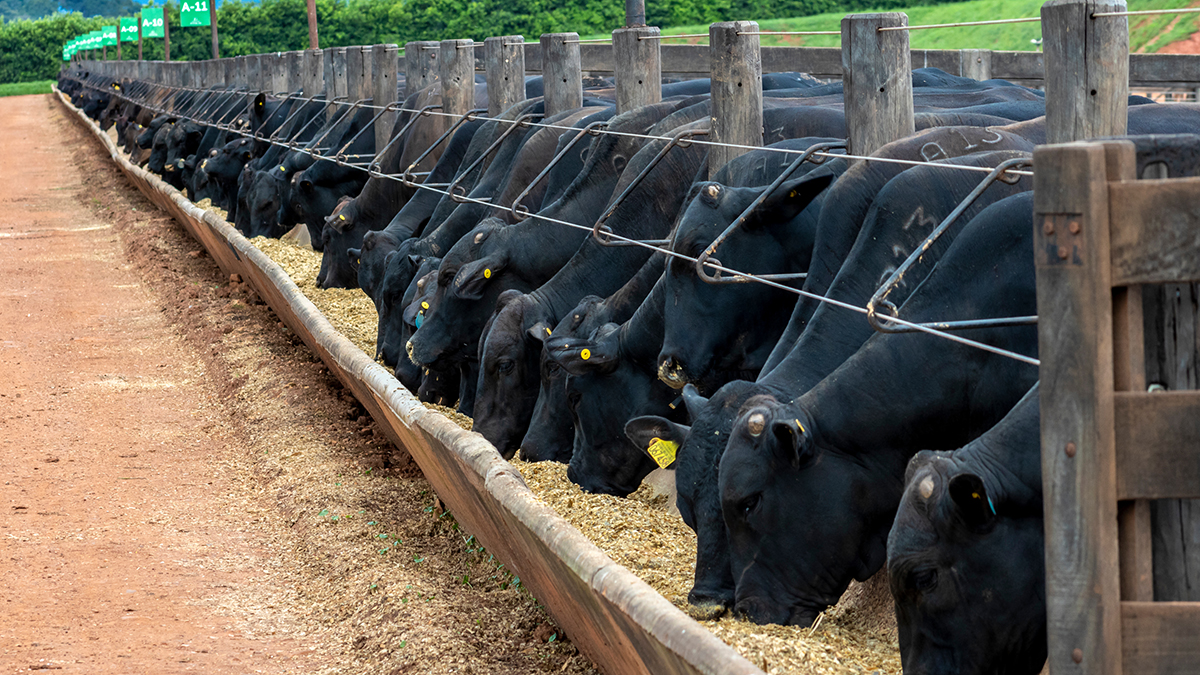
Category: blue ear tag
[990,505]
[420,318]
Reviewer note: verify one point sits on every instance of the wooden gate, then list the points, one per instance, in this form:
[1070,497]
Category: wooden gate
[1109,446]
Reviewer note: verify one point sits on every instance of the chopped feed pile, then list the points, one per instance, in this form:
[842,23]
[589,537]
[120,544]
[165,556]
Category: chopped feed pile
[858,636]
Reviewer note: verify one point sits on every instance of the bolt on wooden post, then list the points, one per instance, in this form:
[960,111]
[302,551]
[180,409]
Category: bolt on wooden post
[420,65]
[1087,69]
[736,90]
[975,64]
[877,79]
[384,70]
[504,59]
[562,73]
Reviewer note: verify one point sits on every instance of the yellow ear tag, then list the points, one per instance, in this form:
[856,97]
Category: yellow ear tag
[424,305]
[204,164]
[487,273]
[547,332]
[662,452]
[341,217]
[800,426]
[585,354]
[283,169]
[792,194]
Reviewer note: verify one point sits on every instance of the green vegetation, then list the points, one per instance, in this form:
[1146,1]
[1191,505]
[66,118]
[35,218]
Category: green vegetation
[26,88]
[31,50]
[1146,34]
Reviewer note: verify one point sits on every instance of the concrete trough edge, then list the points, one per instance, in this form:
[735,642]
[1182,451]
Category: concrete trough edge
[611,615]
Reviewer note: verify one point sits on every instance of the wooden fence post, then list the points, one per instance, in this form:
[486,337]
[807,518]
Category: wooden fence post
[877,76]
[562,74]
[1087,69]
[420,65]
[638,65]
[293,63]
[736,90]
[1075,345]
[313,72]
[458,77]
[505,59]
[358,73]
[384,69]
[335,78]
[975,64]
[275,68]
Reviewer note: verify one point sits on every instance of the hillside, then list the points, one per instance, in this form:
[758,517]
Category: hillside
[1147,34]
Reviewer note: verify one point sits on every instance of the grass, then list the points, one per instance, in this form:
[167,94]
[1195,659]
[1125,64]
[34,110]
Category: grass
[26,88]
[1147,33]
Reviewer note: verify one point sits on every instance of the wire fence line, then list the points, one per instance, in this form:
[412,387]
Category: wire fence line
[609,235]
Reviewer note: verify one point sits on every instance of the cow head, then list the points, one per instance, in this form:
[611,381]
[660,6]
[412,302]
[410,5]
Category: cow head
[715,331]
[775,476]
[967,574]
[508,372]
[699,451]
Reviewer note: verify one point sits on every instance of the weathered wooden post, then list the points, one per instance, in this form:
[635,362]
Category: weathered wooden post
[254,73]
[505,62]
[458,78]
[562,74]
[293,63]
[384,69]
[975,64]
[358,73]
[212,21]
[420,65]
[1087,69]
[313,72]
[638,59]
[335,78]
[877,76]
[275,72]
[736,90]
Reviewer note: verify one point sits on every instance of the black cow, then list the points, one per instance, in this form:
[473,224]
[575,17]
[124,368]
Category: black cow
[966,554]
[809,487]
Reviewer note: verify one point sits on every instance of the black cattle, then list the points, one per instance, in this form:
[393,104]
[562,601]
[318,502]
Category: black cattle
[182,142]
[411,219]
[882,239]
[394,310]
[809,487]
[966,554]
[493,257]
[551,434]
[714,331]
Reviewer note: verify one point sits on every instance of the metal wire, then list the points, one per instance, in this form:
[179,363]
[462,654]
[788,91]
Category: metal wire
[1031,19]
[575,42]
[792,32]
[1145,12]
[668,37]
[611,236]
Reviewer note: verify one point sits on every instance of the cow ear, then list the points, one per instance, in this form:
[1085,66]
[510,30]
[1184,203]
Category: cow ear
[259,101]
[581,357]
[355,257]
[658,437]
[789,200]
[693,401]
[793,445]
[473,277]
[972,502]
[539,331]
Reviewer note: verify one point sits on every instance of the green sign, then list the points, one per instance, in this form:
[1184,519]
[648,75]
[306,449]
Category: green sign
[129,29]
[93,41]
[108,36]
[152,22]
[194,13]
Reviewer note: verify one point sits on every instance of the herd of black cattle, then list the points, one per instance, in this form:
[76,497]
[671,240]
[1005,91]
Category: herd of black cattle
[808,449]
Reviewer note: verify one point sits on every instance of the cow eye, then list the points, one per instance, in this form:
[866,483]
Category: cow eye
[749,504]
[573,398]
[553,368]
[506,366]
[923,580]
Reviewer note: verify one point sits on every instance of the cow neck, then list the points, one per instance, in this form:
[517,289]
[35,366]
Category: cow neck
[1008,457]
[640,338]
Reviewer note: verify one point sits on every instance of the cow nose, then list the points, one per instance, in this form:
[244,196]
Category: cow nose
[408,347]
[671,372]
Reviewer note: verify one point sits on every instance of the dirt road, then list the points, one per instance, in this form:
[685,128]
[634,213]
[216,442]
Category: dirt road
[184,488]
